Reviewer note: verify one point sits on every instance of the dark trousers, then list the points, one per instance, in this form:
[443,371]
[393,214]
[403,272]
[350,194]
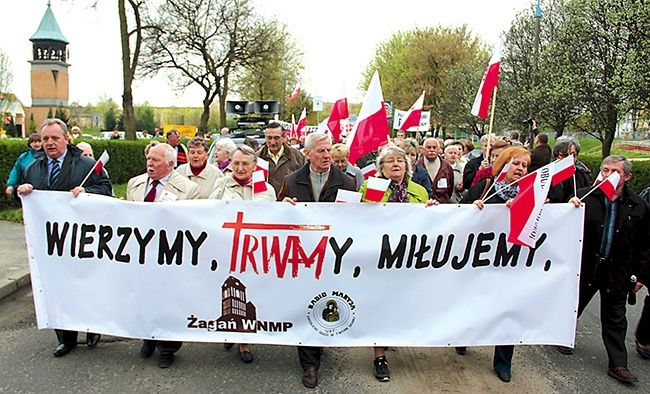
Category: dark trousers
[67,337]
[503,358]
[613,322]
[643,328]
[309,357]
[165,346]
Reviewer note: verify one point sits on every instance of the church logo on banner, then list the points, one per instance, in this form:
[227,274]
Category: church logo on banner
[331,314]
[238,315]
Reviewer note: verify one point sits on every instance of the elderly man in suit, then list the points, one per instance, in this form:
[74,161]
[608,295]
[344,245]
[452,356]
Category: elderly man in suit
[63,168]
[161,183]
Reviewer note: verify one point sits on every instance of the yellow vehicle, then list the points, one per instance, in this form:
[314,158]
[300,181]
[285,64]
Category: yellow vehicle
[183,130]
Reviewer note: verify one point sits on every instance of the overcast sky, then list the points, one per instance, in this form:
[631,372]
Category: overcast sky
[351,28]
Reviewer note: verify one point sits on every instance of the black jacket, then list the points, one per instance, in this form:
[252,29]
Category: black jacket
[630,251]
[298,185]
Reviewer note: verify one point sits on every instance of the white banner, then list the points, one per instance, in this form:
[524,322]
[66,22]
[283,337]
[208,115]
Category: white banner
[312,274]
[424,121]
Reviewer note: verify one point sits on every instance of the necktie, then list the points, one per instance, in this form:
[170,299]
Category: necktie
[54,174]
[151,196]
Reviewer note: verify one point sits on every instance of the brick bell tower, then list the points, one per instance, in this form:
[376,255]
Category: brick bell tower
[49,74]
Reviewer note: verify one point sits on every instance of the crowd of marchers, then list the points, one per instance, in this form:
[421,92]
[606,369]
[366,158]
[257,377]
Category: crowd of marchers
[615,255]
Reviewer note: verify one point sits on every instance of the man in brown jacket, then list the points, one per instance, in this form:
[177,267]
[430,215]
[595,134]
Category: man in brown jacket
[440,172]
[282,158]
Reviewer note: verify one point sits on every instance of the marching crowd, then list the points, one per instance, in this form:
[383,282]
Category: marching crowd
[615,255]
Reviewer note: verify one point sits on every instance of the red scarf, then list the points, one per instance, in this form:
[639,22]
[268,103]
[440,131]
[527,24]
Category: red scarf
[197,170]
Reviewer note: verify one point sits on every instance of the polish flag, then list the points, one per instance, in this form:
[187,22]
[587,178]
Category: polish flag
[263,165]
[259,185]
[348,196]
[302,122]
[564,169]
[376,188]
[526,208]
[412,118]
[103,159]
[371,128]
[292,132]
[490,81]
[295,93]
[339,112]
[502,175]
[609,184]
[369,170]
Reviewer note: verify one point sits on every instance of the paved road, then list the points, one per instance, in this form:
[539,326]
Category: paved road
[27,365]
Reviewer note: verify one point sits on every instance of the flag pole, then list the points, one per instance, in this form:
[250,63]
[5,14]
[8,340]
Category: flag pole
[89,173]
[489,141]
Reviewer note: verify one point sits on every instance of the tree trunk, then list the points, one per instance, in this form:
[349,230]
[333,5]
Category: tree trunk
[205,116]
[609,130]
[127,73]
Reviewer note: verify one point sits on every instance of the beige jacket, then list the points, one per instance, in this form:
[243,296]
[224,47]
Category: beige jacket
[205,179]
[181,187]
[227,188]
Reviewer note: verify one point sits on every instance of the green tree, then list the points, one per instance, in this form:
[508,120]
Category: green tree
[6,73]
[433,60]
[606,68]
[110,118]
[144,117]
[61,114]
[31,127]
[50,115]
[275,76]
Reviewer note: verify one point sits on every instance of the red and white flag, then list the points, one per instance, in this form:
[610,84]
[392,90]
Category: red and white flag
[609,184]
[103,159]
[263,165]
[259,184]
[489,82]
[371,128]
[339,112]
[369,170]
[526,208]
[412,117]
[292,132]
[302,122]
[502,175]
[564,169]
[295,93]
[348,196]
[376,188]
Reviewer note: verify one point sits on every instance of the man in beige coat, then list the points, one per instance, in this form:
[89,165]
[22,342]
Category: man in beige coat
[161,183]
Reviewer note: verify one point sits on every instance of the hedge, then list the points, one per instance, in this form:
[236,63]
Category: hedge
[127,158]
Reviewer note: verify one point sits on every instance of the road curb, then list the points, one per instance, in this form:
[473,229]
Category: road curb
[11,284]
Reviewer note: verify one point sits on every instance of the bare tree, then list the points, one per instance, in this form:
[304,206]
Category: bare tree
[203,42]
[6,73]
[130,63]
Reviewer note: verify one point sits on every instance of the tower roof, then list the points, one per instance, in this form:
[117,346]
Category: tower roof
[49,28]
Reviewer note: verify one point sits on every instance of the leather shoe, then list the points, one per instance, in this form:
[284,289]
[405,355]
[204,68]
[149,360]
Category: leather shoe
[228,346]
[63,349]
[92,339]
[166,359]
[461,351]
[564,349]
[246,357]
[147,349]
[622,375]
[310,378]
[504,376]
[644,352]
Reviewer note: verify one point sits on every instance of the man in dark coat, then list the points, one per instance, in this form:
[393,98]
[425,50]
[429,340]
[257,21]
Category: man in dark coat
[541,154]
[63,168]
[615,259]
[477,163]
[282,158]
[317,181]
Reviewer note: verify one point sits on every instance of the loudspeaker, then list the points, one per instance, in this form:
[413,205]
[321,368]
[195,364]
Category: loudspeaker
[238,107]
[266,107]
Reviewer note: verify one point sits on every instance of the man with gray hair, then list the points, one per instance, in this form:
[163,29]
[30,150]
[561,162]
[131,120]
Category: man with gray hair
[316,181]
[63,168]
[615,259]
[161,183]
[174,140]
